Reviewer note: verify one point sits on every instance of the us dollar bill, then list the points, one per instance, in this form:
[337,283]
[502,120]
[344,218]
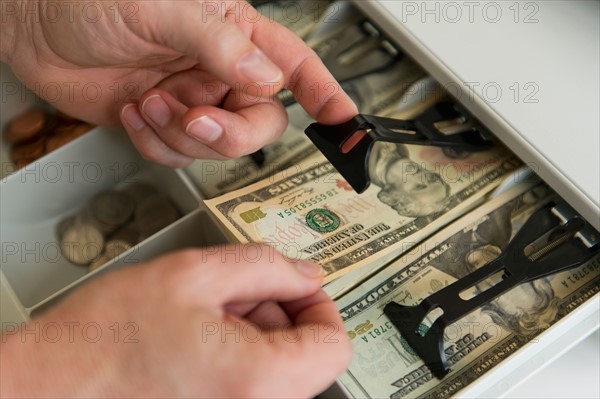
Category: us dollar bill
[311,212]
[384,365]
[299,16]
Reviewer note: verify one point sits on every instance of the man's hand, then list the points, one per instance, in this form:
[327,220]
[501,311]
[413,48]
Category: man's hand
[187,79]
[237,321]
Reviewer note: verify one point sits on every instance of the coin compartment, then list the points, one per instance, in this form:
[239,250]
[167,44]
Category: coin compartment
[36,198]
[196,229]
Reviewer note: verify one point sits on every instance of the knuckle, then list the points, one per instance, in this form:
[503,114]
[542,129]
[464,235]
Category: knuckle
[150,155]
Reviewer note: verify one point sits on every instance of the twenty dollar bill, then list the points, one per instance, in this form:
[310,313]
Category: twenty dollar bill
[311,212]
[384,365]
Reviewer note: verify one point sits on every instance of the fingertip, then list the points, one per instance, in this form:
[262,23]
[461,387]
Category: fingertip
[131,117]
[309,269]
[147,142]
[156,109]
[204,129]
[338,109]
[234,132]
[344,354]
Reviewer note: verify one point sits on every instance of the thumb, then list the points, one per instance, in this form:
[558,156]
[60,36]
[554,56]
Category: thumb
[211,33]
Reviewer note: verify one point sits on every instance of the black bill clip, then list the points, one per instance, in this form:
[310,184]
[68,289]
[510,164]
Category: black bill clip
[444,124]
[555,238]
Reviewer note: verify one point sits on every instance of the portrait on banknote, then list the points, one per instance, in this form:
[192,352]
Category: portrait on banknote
[405,185]
[529,307]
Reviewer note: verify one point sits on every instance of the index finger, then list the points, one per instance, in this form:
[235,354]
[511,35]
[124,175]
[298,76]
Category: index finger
[314,87]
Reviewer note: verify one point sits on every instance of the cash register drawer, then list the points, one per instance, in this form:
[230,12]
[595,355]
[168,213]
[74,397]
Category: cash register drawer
[26,291]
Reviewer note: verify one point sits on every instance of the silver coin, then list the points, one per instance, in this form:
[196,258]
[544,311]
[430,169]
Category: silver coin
[115,248]
[100,261]
[111,209]
[82,243]
[138,192]
[128,234]
[154,214]
[64,225]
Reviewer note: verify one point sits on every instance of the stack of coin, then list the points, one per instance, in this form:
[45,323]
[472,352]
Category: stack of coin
[112,222]
[109,210]
[35,132]
[153,214]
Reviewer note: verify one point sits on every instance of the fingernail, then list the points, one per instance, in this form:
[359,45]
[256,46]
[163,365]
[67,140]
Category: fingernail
[204,129]
[157,109]
[132,117]
[257,67]
[309,269]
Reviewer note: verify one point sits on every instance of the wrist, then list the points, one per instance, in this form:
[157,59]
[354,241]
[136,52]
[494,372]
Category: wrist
[13,363]
[11,9]
[32,367]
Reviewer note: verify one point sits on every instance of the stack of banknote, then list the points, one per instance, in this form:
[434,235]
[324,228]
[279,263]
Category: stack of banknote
[430,217]
[385,365]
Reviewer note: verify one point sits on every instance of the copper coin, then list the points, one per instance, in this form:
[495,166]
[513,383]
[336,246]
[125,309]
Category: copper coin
[65,133]
[81,129]
[25,126]
[30,151]
[65,117]
[21,163]
[64,127]
[52,122]
[58,139]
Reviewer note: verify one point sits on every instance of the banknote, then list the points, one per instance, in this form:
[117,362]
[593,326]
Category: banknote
[384,365]
[340,286]
[299,16]
[336,18]
[310,212]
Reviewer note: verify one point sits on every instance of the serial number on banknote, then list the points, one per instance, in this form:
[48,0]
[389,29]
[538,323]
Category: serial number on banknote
[306,204]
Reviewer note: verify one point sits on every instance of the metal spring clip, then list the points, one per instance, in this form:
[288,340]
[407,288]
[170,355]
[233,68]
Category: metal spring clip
[555,238]
[444,124]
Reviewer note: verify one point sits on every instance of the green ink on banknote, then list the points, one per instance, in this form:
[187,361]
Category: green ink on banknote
[322,220]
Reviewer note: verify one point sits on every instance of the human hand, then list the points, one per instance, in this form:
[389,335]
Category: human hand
[236,321]
[191,79]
